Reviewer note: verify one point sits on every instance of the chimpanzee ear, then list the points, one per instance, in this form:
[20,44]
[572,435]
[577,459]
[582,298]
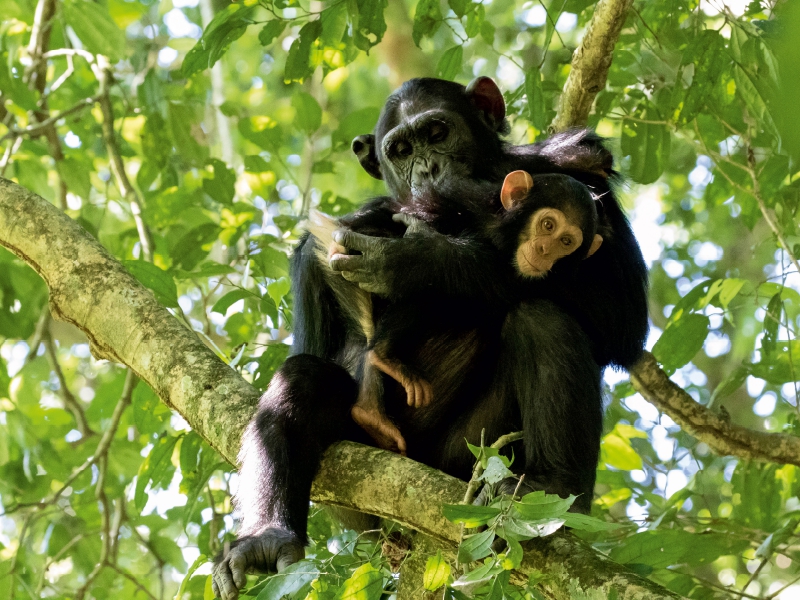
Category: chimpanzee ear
[516,186]
[487,97]
[596,243]
[364,148]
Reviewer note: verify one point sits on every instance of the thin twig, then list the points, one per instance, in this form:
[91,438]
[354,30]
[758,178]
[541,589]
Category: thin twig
[41,126]
[105,77]
[70,402]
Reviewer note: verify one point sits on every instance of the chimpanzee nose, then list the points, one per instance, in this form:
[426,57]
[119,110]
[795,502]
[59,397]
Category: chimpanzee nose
[425,170]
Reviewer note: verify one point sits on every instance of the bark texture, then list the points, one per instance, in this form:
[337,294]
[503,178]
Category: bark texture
[125,323]
[590,64]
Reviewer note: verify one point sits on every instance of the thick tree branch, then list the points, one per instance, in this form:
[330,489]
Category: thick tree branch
[695,419]
[590,64]
[125,323]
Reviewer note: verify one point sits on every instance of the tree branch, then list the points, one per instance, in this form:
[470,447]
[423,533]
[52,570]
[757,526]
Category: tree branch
[695,419]
[125,323]
[590,64]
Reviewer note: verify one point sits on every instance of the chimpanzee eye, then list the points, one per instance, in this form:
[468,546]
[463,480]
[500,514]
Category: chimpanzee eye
[439,133]
[402,148]
[567,241]
[548,224]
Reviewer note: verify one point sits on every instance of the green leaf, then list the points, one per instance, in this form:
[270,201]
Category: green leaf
[298,61]
[222,305]
[222,187]
[616,451]
[664,548]
[14,87]
[272,30]
[468,514]
[587,523]
[512,557]
[459,7]
[187,134]
[155,468]
[158,280]
[730,384]
[289,581]
[334,24]
[475,20]
[707,53]
[781,367]
[194,245]
[96,29]
[227,26]
[772,322]
[538,506]
[271,263]
[681,340]
[495,470]
[199,562]
[476,546]
[150,415]
[76,175]
[309,114]
[427,19]
[268,363]
[368,22]
[278,289]
[451,63]
[533,92]
[648,145]
[366,583]
[437,572]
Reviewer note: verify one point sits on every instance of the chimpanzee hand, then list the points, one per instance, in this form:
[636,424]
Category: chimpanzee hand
[370,268]
[271,551]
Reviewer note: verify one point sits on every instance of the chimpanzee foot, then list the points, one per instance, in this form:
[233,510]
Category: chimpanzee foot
[418,391]
[269,552]
[380,429]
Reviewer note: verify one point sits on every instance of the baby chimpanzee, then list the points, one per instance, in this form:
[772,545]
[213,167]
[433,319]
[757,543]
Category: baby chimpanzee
[534,225]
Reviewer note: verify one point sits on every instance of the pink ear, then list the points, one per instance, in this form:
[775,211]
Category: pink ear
[488,98]
[516,186]
[596,243]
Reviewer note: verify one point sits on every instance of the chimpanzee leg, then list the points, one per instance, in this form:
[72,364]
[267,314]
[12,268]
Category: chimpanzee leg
[546,362]
[306,409]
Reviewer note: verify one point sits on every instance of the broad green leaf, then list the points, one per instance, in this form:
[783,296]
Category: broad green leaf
[587,523]
[150,415]
[782,367]
[772,322]
[272,30]
[730,289]
[268,363]
[278,289]
[495,470]
[616,451]
[648,145]
[706,52]
[476,546]
[366,583]
[538,505]
[334,23]
[356,123]
[663,548]
[732,382]
[227,26]
[271,263]
[14,88]
[288,581]
[158,280]
[308,112]
[368,22]
[76,175]
[451,63]
[681,340]
[194,245]
[427,19]
[468,514]
[437,572]
[222,187]
[298,61]
[512,557]
[222,305]
[475,20]
[535,97]
[95,28]
[155,468]
[187,134]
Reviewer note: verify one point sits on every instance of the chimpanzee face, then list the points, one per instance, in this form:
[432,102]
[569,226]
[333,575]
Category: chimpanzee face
[433,130]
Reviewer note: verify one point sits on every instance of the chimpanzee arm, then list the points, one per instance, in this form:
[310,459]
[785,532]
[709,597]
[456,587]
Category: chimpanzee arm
[425,261]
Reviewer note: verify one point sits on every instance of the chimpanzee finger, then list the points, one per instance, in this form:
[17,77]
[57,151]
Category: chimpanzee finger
[346,262]
[355,241]
[223,580]
[238,563]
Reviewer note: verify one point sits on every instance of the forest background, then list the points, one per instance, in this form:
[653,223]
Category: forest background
[192,157]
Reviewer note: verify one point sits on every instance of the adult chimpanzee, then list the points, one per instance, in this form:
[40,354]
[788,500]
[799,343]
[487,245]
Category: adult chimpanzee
[523,233]
[544,378]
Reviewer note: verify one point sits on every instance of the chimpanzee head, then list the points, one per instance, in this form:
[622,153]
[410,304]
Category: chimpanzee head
[432,130]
